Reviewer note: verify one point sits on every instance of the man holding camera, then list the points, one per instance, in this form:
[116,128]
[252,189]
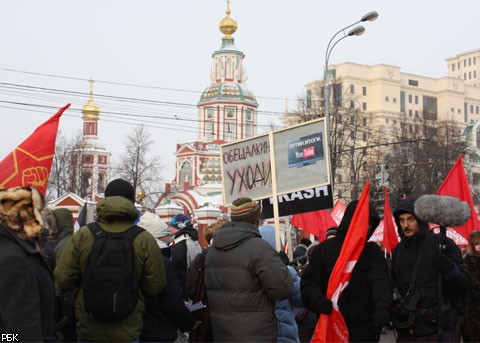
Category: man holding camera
[421,272]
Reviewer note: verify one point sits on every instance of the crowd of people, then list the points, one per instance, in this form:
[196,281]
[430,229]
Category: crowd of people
[130,277]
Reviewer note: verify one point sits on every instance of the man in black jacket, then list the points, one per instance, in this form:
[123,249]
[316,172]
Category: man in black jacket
[364,304]
[416,267]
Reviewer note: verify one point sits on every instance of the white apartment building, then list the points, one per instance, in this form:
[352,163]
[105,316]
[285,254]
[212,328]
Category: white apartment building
[385,97]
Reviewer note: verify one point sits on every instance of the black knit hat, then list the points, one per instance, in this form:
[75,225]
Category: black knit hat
[120,187]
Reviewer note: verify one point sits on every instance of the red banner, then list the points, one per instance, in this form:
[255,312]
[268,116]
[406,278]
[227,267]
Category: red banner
[390,238]
[29,163]
[456,185]
[332,327]
[315,222]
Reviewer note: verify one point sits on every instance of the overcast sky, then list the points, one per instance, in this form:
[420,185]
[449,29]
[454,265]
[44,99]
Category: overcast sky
[151,59]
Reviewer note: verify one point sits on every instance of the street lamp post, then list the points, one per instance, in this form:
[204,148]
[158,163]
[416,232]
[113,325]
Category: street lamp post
[356,31]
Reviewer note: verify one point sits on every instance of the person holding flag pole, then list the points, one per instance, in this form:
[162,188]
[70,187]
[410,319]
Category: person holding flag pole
[347,282]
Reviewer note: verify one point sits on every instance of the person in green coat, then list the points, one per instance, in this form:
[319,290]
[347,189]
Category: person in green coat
[116,213]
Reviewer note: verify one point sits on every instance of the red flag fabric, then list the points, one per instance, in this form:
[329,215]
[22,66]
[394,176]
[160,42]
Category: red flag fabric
[332,327]
[315,222]
[390,238]
[456,185]
[338,211]
[29,163]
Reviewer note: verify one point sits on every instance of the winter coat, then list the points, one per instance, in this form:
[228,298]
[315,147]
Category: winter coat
[114,214]
[184,249]
[364,304]
[287,326]
[64,220]
[27,292]
[455,284]
[244,276]
[166,311]
[472,316]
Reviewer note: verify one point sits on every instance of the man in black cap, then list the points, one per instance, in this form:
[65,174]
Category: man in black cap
[115,215]
[364,304]
[244,276]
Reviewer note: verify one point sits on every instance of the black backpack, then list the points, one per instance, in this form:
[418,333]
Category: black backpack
[110,282]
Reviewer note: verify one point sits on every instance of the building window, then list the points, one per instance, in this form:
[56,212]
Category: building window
[402,102]
[413,83]
[352,89]
[476,110]
[364,121]
[416,114]
[365,136]
[386,120]
[416,99]
[453,67]
[458,65]
[210,113]
[386,99]
[478,139]
[410,98]
[475,74]
[394,100]
[464,76]
[248,130]
[352,134]
[186,172]
[230,134]
[452,110]
[471,109]
[429,107]
[364,106]
[410,113]
[352,120]
[248,114]
[209,131]
[465,62]
[352,104]
[364,90]
[469,61]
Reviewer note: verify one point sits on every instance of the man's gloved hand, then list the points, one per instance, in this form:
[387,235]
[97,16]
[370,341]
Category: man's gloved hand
[324,306]
[380,319]
[443,264]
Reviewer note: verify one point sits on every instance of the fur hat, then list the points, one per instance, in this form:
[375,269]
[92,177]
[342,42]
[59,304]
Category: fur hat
[20,210]
[120,187]
[180,221]
[245,210]
[153,224]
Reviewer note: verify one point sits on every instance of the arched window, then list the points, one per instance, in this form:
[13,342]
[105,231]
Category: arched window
[186,172]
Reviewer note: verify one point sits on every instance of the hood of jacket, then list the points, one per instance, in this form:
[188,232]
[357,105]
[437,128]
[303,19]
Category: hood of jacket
[189,230]
[233,234]
[373,220]
[407,205]
[64,222]
[116,208]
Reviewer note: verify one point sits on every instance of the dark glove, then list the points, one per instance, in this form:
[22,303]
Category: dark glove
[380,319]
[443,264]
[324,306]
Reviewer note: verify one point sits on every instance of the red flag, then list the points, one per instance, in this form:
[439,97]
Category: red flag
[29,163]
[390,238]
[456,185]
[315,222]
[332,327]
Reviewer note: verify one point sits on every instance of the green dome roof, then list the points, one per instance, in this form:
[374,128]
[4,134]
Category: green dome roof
[227,91]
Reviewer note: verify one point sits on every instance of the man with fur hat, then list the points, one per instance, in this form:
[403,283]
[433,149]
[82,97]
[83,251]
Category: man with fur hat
[27,292]
[364,304]
[416,266]
[244,276]
[184,247]
[115,214]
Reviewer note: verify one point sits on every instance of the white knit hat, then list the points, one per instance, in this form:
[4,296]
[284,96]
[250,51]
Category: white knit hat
[153,224]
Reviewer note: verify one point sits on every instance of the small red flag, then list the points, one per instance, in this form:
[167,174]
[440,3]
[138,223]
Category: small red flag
[456,185]
[315,222]
[29,163]
[332,327]
[390,238]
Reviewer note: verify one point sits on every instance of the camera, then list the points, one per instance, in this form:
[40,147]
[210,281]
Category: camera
[402,316]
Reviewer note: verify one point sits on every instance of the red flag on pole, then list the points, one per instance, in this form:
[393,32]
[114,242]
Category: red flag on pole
[315,222]
[456,185]
[332,327]
[29,163]
[390,238]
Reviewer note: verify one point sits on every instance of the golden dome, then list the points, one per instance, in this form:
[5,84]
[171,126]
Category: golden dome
[90,110]
[227,25]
